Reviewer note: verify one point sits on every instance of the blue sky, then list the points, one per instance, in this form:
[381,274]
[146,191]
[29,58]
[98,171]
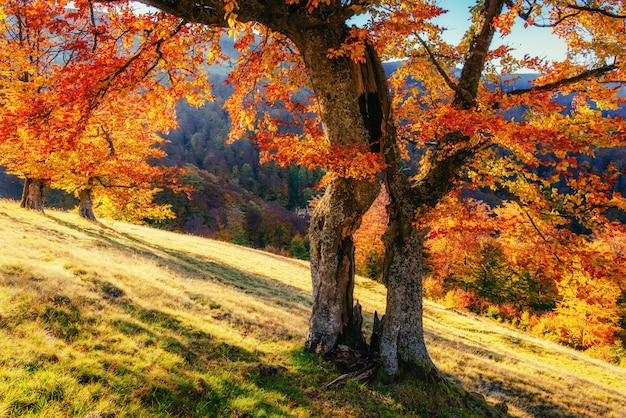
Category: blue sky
[534,41]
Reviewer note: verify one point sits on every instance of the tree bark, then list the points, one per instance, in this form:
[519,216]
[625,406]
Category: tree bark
[34,193]
[337,87]
[354,109]
[85,204]
[334,221]
[402,342]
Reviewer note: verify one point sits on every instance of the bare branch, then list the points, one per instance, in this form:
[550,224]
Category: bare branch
[598,10]
[107,138]
[585,75]
[441,71]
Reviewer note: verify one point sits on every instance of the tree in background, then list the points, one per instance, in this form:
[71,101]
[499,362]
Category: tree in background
[370,250]
[495,262]
[85,89]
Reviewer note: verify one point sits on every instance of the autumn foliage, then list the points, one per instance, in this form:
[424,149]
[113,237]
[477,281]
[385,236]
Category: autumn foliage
[543,239]
[496,182]
[270,75]
[85,90]
[505,264]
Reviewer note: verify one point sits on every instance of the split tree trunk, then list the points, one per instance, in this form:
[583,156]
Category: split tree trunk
[85,204]
[334,221]
[402,336]
[338,85]
[34,193]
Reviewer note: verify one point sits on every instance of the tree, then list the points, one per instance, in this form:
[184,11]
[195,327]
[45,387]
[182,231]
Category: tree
[472,141]
[76,82]
[457,117]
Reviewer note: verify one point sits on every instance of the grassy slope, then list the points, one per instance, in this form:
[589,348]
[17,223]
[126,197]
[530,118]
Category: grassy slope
[109,319]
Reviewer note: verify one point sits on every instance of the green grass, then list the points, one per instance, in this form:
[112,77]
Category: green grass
[116,320]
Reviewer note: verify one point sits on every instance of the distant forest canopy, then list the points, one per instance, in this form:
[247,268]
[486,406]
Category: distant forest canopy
[236,198]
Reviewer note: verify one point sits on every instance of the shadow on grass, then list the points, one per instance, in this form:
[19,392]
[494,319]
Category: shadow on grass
[199,267]
[531,394]
[142,362]
[156,363]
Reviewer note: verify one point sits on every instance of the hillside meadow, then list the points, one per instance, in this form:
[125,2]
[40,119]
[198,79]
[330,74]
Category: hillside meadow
[107,319]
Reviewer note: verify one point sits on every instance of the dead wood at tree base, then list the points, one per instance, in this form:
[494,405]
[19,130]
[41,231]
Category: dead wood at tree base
[358,365]
[356,376]
[364,365]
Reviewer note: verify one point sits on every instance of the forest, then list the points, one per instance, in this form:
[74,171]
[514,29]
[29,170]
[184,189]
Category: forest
[440,170]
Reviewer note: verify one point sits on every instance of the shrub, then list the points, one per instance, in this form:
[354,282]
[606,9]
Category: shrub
[528,321]
[547,327]
[433,290]
[493,312]
[508,311]
[460,299]
[603,352]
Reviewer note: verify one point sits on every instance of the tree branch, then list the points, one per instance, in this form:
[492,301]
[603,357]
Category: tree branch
[107,138]
[106,82]
[471,74]
[562,17]
[441,71]
[108,185]
[585,75]
[208,12]
[598,10]
[532,222]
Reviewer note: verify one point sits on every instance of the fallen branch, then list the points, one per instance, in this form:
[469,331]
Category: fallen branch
[357,376]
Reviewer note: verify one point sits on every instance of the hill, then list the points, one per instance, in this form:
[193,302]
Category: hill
[118,320]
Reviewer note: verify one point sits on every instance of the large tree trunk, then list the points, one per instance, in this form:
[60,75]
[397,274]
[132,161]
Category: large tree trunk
[34,193]
[354,107]
[338,86]
[335,220]
[85,204]
[402,344]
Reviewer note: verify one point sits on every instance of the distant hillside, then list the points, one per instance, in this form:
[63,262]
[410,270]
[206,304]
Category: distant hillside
[111,319]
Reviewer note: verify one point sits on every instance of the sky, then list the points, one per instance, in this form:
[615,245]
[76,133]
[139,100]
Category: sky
[532,40]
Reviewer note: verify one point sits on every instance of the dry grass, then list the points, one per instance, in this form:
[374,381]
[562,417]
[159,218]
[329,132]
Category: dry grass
[111,319]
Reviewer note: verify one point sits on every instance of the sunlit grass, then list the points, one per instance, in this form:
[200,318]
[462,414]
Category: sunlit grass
[110,319]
